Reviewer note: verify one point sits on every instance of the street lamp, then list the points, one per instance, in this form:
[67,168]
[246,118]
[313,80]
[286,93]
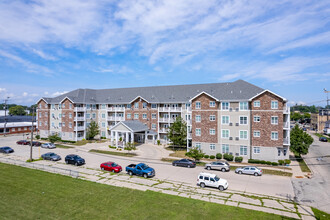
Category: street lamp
[5,126]
[32,128]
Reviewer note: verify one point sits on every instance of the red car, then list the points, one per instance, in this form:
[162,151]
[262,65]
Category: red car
[111,166]
[23,142]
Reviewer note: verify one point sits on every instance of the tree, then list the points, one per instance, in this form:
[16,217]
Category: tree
[92,130]
[306,115]
[17,110]
[53,138]
[295,116]
[178,132]
[130,146]
[195,153]
[300,141]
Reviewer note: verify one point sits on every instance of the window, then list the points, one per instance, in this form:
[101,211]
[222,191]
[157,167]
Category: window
[129,106]
[225,106]
[225,148]
[53,106]
[256,150]
[70,125]
[53,115]
[103,133]
[274,135]
[136,116]
[225,119]
[13,129]
[144,105]
[212,117]
[198,118]
[63,105]
[256,103]
[103,115]
[103,106]
[153,116]
[94,106]
[225,133]
[154,106]
[59,106]
[70,106]
[153,126]
[63,124]
[212,146]
[40,105]
[284,152]
[274,120]
[274,105]
[129,115]
[88,106]
[60,124]
[88,115]
[243,106]
[53,125]
[198,105]
[278,152]
[136,105]
[243,150]
[63,115]
[256,118]
[198,145]
[212,131]
[243,120]
[94,115]
[40,124]
[60,115]
[212,103]
[243,135]
[198,132]
[103,124]
[256,133]
[25,128]
[144,116]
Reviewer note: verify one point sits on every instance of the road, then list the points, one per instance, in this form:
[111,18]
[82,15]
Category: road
[264,185]
[315,191]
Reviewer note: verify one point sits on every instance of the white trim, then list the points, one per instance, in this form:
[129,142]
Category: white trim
[137,98]
[66,98]
[247,135]
[271,121]
[284,99]
[190,100]
[247,119]
[112,129]
[42,99]
[222,133]
[228,119]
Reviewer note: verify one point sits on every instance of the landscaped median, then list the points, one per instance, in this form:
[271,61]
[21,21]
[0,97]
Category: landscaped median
[40,195]
[115,153]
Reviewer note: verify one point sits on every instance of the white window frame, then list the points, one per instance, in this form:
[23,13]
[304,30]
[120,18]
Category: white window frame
[198,131]
[256,103]
[242,134]
[198,105]
[136,115]
[225,148]
[222,133]
[222,121]
[247,120]
[275,121]
[212,131]
[129,115]
[212,146]
[198,118]
[255,117]
[256,150]
[198,145]
[223,104]
[103,124]
[274,132]
[103,115]
[136,105]
[242,106]
[212,117]
[153,116]
[212,104]
[144,116]
[243,150]
[255,133]
[153,126]
[273,102]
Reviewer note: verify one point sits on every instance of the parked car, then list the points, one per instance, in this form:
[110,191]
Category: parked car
[111,166]
[249,170]
[35,144]
[212,180]
[6,150]
[74,159]
[23,142]
[184,163]
[140,169]
[304,129]
[48,145]
[323,139]
[51,156]
[218,165]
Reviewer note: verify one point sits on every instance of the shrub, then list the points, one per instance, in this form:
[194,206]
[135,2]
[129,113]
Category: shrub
[38,136]
[280,162]
[274,163]
[228,157]
[83,139]
[268,163]
[158,142]
[218,156]
[113,147]
[251,160]
[212,157]
[206,156]
[238,159]
[287,161]
[103,138]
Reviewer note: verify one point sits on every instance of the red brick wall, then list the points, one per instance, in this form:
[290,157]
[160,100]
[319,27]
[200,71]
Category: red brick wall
[205,125]
[141,111]
[66,111]
[28,131]
[44,109]
[264,126]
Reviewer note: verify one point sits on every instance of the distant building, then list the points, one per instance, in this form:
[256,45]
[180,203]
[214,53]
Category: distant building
[16,124]
[323,117]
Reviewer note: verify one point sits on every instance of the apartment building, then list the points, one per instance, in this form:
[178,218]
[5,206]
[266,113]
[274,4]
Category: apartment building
[236,117]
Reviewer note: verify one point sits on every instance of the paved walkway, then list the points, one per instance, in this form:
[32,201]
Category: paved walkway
[271,204]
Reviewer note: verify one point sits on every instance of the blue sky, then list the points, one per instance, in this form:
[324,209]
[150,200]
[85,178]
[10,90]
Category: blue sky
[50,47]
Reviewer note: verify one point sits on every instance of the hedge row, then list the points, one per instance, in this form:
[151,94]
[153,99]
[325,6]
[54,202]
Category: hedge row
[280,162]
[227,157]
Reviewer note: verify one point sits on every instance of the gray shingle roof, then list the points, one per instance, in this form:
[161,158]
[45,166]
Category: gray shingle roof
[231,91]
[135,125]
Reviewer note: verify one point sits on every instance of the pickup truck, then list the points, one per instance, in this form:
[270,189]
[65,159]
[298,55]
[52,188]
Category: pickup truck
[140,169]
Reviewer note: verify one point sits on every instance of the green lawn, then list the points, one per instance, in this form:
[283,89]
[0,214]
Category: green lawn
[123,154]
[62,146]
[302,164]
[33,194]
[320,215]
[321,135]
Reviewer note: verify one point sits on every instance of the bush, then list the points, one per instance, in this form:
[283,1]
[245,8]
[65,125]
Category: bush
[112,147]
[287,161]
[251,160]
[280,162]
[38,136]
[274,163]
[268,163]
[158,142]
[206,156]
[238,159]
[228,157]
[212,157]
[218,156]
[103,138]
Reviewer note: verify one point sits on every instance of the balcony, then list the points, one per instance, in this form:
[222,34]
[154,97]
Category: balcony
[188,122]
[120,118]
[116,118]
[116,109]
[286,141]
[189,136]
[163,109]
[175,109]
[188,109]
[166,120]
[79,128]
[79,118]
[163,130]
[286,110]
[80,109]
[286,125]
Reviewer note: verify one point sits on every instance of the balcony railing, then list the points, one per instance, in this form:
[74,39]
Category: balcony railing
[286,141]
[286,110]
[286,125]
[163,130]
[116,109]
[163,109]
[79,118]
[166,120]
[80,109]
[116,118]
[189,136]
[79,128]
[188,121]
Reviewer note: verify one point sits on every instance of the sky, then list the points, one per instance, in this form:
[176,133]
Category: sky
[51,47]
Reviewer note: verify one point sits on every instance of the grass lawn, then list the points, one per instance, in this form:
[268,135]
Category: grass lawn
[83,142]
[320,215]
[124,154]
[179,153]
[63,146]
[302,164]
[33,194]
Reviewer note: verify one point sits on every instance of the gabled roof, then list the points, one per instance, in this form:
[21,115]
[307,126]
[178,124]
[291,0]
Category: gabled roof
[137,98]
[132,125]
[284,99]
[205,94]
[66,98]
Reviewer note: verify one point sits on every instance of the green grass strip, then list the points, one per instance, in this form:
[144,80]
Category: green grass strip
[123,154]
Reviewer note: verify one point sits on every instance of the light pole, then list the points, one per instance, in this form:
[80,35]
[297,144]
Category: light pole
[5,126]
[32,128]
[327,107]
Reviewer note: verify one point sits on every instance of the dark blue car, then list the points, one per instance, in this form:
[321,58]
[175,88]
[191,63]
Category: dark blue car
[6,150]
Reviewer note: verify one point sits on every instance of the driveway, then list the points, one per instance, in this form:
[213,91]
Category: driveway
[315,191]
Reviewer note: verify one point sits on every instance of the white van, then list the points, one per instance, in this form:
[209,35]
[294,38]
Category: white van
[211,180]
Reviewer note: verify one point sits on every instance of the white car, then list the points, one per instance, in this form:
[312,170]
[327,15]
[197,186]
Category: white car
[212,180]
[48,145]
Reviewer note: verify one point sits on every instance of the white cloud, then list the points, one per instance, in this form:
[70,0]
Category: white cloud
[3,90]
[43,55]
[58,93]
[25,94]
[46,93]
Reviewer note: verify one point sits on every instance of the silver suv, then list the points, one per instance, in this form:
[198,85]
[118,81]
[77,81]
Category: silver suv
[249,170]
[218,165]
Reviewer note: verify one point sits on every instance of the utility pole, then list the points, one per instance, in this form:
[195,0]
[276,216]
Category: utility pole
[32,128]
[5,107]
[327,107]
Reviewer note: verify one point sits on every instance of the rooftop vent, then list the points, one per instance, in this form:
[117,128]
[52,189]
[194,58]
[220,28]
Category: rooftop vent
[240,91]
[231,92]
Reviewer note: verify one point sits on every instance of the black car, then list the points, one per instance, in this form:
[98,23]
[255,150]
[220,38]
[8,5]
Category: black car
[51,156]
[184,163]
[35,143]
[323,139]
[6,150]
[74,159]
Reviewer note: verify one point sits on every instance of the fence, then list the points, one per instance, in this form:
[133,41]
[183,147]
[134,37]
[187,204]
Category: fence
[43,167]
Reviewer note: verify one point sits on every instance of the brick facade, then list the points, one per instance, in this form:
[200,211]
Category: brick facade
[43,115]
[66,111]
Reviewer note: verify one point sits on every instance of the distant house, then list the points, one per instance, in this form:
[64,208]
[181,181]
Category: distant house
[326,129]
